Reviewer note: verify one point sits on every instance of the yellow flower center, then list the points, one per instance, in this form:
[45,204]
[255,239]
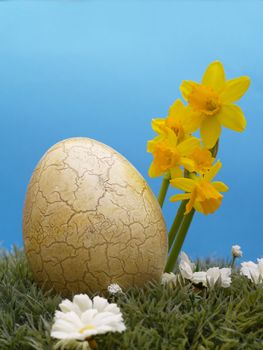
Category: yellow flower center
[86,328]
[176,127]
[204,99]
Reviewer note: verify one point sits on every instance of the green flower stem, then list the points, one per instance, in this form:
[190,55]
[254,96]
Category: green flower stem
[163,190]
[177,222]
[179,241]
[233,262]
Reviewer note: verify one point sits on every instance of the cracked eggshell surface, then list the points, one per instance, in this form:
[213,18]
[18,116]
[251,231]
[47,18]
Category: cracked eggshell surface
[90,219]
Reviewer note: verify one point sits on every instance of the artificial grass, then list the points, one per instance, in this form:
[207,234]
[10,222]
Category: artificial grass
[158,317]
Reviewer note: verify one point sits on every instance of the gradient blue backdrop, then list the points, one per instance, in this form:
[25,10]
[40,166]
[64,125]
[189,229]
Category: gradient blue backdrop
[104,70]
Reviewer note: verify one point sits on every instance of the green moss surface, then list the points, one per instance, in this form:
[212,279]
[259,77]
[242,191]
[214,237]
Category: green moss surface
[157,317]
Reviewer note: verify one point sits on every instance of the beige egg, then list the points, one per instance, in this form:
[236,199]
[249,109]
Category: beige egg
[90,219]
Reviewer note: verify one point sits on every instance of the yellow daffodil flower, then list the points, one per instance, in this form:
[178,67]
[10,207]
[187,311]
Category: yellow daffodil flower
[181,119]
[204,195]
[169,155]
[213,100]
[203,160]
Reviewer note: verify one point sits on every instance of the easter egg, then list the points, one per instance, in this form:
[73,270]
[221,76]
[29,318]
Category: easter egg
[90,220]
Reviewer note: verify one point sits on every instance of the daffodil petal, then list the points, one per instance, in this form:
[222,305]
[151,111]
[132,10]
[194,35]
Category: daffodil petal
[151,144]
[183,184]
[220,186]
[186,88]
[198,207]
[176,107]
[235,89]
[171,137]
[210,130]
[186,147]
[189,206]
[232,117]
[215,76]
[179,197]
[154,170]
[158,124]
[213,171]
[192,120]
[176,172]
[188,163]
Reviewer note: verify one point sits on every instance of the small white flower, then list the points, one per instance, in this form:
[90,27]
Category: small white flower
[225,277]
[213,276]
[169,278]
[236,251]
[114,288]
[253,271]
[186,267]
[199,277]
[260,267]
[84,318]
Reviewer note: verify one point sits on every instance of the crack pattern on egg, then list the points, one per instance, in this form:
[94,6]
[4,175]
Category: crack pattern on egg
[90,219]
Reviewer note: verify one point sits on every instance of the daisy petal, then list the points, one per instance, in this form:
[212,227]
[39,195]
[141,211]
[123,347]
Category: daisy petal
[112,308]
[82,301]
[232,117]
[235,89]
[67,306]
[88,315]
[100,303]
[66,335]
[210,131]
[214,76]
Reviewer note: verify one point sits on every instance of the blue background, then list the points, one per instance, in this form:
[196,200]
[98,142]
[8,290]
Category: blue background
[104,70]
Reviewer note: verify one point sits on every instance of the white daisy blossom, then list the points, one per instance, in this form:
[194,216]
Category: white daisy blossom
[236,251]
[253,271]
[186,267]
[84,318]
[114,288]
[169,278]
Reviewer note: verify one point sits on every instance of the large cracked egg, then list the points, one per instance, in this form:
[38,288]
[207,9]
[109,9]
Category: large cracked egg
[91,220]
